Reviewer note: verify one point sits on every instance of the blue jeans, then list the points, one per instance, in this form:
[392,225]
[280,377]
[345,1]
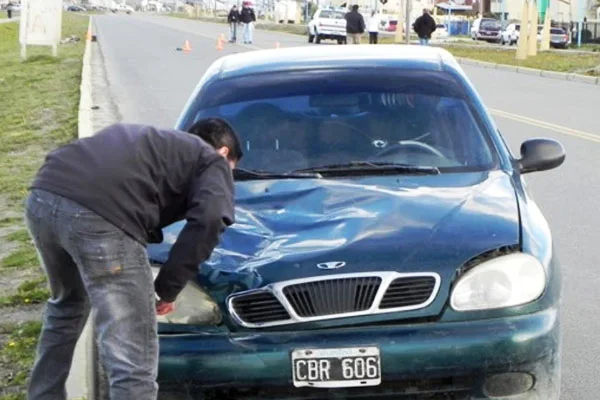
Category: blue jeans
[248,32]
[90,262]
[423,41]
[232,31]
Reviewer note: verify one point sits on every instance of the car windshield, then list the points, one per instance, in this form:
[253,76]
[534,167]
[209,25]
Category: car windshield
[557,31]
[491,24]
[304,120]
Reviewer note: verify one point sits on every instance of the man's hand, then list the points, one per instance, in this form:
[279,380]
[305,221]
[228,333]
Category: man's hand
[162,307]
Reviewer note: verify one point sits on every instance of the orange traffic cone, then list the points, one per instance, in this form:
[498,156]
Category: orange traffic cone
[219,44]
[222,37]
[186,47]
[88,36]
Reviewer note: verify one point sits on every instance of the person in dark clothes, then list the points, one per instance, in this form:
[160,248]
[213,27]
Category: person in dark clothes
[233,18]
[424,26]
[9,10]
[248,18]
[93,206]
[355,25]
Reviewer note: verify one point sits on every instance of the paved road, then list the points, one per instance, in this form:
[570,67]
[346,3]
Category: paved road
[150,81]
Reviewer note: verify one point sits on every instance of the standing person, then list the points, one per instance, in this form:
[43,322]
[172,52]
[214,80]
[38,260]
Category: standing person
[9,10]
[93,206]
[355,25]
[374,22]
[248,18]
[424,26]
[233,18]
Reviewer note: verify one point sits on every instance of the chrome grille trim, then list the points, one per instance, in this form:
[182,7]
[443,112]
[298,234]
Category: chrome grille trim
[277,289]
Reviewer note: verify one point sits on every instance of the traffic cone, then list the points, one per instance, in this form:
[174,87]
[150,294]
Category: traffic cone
[219,44]
[222,37]
[186,46]
[88,35]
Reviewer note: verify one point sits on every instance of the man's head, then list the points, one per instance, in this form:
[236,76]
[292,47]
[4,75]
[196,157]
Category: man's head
[425,11]
[234,7]
[220,135]
[355,7]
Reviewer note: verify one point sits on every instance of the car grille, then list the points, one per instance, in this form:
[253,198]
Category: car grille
[334,296]
[406,292]
[259,308]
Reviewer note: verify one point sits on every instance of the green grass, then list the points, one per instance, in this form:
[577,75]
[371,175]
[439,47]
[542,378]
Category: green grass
[29,292]
[41,113]
[551,61]
[40,99]
[18,352]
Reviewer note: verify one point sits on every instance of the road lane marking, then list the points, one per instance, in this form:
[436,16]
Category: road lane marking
[546,125]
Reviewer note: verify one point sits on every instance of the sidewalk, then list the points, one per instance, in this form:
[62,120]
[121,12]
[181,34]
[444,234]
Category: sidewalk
[6,21]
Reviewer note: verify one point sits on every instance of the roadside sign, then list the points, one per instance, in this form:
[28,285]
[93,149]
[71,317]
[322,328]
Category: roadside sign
[41,22]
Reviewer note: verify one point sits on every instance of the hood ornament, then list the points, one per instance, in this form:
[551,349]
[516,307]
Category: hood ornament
[331,265]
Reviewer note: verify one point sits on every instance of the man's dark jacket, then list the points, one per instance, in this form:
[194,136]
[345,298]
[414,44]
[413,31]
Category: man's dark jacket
[233,16]
[247,15]
[142,179]
[424,26]
[355,23]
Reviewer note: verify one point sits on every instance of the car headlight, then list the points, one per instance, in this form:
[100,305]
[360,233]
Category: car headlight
[506,281]
[193,306]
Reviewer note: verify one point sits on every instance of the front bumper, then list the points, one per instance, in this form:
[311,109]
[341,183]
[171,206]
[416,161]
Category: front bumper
[456,357]
[487,36]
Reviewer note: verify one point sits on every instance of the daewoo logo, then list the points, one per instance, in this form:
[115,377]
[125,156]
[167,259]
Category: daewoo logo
[331,265]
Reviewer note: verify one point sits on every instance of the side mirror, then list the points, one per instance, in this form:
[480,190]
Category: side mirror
[540,155]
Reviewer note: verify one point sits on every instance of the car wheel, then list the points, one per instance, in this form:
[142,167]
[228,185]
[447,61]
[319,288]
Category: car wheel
[340,41]
[318,39]
[311,38]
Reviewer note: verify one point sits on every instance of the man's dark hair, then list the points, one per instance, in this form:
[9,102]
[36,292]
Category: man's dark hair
[355,7]
[218,133]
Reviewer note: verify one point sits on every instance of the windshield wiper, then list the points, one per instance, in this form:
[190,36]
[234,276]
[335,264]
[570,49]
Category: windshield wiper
[373,166]
[248,174]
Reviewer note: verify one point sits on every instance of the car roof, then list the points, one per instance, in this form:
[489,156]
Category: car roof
[321,57]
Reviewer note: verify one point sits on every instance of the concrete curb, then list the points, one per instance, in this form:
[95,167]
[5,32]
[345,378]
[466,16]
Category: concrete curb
[592,80]
[81,377]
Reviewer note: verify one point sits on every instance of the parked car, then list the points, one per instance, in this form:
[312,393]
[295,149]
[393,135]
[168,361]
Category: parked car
[327,23]
[122,8]
[559,38]
[385,239]
[510,35]
[441,32]
[76,8]
[488,29]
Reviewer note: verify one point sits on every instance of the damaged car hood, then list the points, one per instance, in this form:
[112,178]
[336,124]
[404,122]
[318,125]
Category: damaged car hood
[284,228]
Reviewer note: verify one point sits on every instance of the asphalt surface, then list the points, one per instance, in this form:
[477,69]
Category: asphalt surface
[150,81]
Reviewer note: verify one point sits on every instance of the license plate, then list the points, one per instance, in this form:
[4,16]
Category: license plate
[334,368]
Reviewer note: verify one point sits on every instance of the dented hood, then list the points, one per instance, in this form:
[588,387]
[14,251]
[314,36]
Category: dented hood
[284,228]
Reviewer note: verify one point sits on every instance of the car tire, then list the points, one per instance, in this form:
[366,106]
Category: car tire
[318,39]
[340,41]
[311,38]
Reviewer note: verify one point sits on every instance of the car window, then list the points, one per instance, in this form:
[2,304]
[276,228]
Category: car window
[490,23]
[320,123]
[325,14]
